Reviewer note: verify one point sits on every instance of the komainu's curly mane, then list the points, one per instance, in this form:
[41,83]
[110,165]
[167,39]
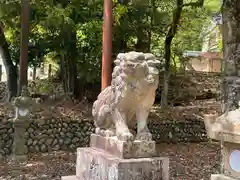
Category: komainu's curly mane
[133,86]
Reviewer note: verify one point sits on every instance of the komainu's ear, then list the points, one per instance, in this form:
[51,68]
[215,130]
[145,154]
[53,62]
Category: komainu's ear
[153,63]
[117,62]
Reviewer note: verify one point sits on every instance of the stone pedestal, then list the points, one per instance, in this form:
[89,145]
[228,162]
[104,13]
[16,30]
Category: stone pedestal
[221,177]
[229,135]
[111,159]
[19,148]
[122,149]
[232,159]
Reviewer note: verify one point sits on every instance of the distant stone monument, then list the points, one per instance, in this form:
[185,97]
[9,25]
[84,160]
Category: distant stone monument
[226,129]
[23,106]
[115,153]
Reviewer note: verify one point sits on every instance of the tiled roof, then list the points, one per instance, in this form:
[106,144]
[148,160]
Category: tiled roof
[213,55]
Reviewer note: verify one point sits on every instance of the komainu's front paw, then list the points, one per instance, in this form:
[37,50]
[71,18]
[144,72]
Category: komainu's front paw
[125,136]
[109,133]
[144,136]
[98,130]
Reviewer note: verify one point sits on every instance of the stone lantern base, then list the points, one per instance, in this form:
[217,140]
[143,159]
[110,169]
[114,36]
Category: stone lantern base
[221,177]
[229,134]
[232,159]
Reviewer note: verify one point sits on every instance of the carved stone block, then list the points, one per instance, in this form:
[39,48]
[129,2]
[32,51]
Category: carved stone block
[221,130]
[221,177]
[93,164]
[123,149]
[232,159]
[69,178]
[226,129]
[19,148]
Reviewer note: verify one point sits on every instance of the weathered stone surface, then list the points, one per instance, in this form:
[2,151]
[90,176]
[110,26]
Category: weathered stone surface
[93,164]
[131,95]
[19,148]
[225,136]
[123,149]
[18,158]
[227,127]
[221,128]
[221,177]
[22,104]
[231,53]
[227,150]
[189,131]
[69,178]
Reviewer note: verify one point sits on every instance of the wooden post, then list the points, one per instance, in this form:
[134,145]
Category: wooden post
[107,45]
[24,45]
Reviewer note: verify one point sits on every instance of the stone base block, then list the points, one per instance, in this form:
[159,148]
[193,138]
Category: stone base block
[94,164]
[18,158]
[221,177]
[69,178]
[123,149]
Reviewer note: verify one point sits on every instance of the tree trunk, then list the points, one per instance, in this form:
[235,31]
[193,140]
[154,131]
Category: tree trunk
[34,73]
[231,47]
[1,72]
[168,41]
[74,85]
[35,68]
[69,67]
[63,72]
[182,65]
[122,45]
[49,71]
[170,35]
[142,44]
[11,70]
[23,64]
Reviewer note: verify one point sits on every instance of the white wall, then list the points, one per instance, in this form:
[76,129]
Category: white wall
[30,72]
[4,77]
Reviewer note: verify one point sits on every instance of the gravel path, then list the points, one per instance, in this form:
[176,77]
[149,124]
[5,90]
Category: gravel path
[187,162]
[192,161]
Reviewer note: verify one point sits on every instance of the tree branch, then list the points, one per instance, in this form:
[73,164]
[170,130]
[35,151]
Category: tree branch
[198,3]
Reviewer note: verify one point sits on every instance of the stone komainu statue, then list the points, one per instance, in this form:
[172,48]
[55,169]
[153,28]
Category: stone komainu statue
[131,95]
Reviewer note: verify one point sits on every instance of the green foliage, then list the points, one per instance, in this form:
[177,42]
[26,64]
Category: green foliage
[212,6]
[51,22]
[220,44]
[43,86]
[90,46]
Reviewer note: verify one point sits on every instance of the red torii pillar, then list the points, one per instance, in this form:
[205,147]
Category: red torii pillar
[107,45]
